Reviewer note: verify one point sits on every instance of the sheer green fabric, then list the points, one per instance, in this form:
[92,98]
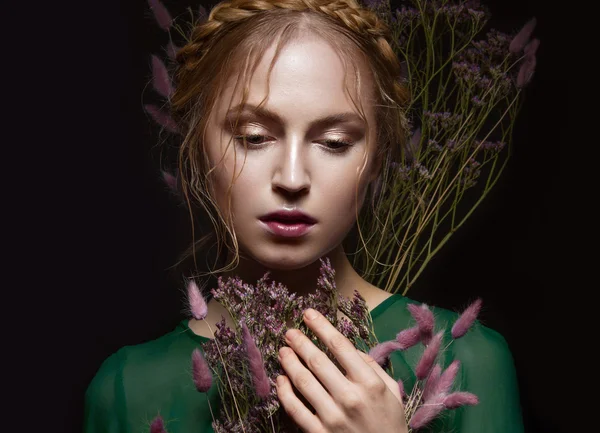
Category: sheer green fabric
[138,382]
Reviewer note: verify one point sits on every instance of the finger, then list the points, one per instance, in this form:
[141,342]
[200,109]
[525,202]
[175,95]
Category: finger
[387,379]
[342,348]
[305,382]
[318,362]
[296,410]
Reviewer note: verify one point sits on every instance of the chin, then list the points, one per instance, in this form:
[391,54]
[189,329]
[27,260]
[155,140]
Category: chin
[289,258]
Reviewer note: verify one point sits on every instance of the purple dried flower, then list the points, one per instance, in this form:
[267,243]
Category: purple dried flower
[431,385]
[381,352]
[429,356]
[157,425]
[256,364]
[521,38]
[161,14]
[425,320]
[373,4]
[201,373]
[466,319]
[458,399]
[408,337]
[426,413]
[162,118]
[160,77]
[196,301]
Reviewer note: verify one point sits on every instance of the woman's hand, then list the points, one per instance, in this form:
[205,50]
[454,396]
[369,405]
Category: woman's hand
[366,400]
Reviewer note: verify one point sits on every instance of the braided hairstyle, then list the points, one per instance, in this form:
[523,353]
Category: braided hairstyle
[232,41]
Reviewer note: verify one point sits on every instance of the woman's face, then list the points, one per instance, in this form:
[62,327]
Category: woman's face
[294,196]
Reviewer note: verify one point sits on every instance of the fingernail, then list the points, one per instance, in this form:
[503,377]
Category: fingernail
[284,351]
[291,334]
[310,314]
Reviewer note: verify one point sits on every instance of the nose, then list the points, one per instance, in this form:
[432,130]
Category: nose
[291,176]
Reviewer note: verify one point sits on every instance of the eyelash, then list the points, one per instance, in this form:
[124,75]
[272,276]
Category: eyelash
[343,145]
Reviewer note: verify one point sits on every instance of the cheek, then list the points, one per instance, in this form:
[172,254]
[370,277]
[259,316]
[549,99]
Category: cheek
[345,185]
[239,181]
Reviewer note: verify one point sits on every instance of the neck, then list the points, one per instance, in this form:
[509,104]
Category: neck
[304,280]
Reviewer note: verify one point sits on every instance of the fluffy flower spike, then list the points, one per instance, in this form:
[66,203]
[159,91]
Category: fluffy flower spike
[256,364]
[170,180]
[426,413]
[161,14]
[201,373]
[458,399]
[160,77]
[425,320]
[382,351]
[466,319]
[446,379]
[196,301]
[522,38]
[162,118]
[430,386]
[408,337]
[429,356]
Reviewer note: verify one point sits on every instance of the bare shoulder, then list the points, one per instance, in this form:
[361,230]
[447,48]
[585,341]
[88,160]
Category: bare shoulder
[215,313]
[374,295]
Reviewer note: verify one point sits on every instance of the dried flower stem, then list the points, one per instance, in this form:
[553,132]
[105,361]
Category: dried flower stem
[226,373]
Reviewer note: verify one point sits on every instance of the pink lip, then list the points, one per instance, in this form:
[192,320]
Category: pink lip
[289,224]
[288,230]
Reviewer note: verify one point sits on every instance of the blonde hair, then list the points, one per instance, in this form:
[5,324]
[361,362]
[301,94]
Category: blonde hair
[245,29]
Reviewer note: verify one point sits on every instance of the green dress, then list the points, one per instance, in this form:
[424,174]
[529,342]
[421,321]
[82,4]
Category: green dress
[139,382]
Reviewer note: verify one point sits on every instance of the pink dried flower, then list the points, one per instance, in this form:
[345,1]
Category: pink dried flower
[466,319]
[170,180]
[157,425]
[408,337]
[432,381]
[201,373]
[429,356]
[447,378]
[160,77]
[161,14]
[458,399]
[521,38]
[526,72]
[425,320]
[531,48]
[172,50]
[202,15]
[426,413]
[381,352]
[162,118]
[196,301]
[256,364]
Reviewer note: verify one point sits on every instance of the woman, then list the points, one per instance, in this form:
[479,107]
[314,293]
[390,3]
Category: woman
[288,109]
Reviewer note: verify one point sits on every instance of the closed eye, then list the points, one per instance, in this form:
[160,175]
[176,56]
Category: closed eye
[257,140]
[251,139]
[337,145]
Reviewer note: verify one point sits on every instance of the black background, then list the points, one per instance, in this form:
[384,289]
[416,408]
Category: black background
[111,229]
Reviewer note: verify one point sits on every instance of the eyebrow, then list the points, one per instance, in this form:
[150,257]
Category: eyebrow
[271,116]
